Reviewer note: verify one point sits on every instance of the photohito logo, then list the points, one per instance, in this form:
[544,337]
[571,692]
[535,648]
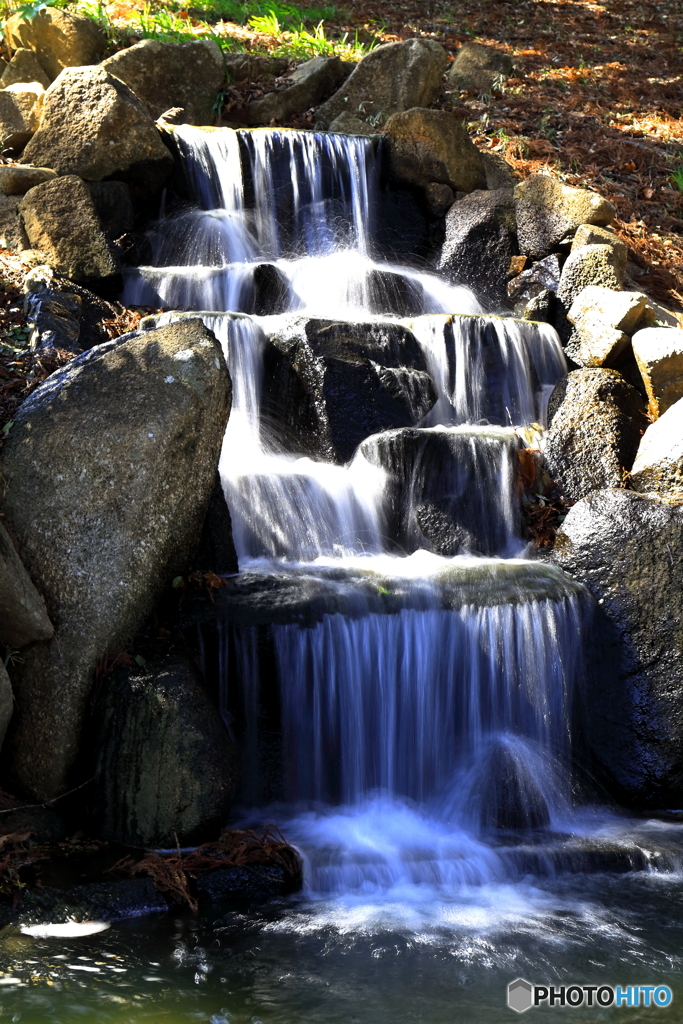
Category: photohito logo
[522,995]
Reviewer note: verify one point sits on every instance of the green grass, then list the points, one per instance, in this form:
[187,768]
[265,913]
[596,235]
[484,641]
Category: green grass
[299,32]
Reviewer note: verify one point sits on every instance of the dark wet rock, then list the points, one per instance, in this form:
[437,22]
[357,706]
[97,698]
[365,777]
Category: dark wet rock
[270,293]
[480,242]
[438,488]
[243,883]
[542,308]
[59,39]
[439,198]
[309,84]
[392,78]
[110,466]
[165,75]
[402,233]
[476,67]
[166,765]
[595,420]
[98,901]
[92,125]
[23,616]
[627,549]
[433,146]
[328,386]
[216,548]
[548,211]
[45,825]
[541,276]
[507,795]
[390,292]
[61,221]
[63,314]
[6,701]
[114,206]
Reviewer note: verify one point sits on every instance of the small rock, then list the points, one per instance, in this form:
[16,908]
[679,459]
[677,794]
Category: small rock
[164,75]
[349,124]
[595,422]
[541,276]
[592,234]
[58,38]
[12,233]
[499,173]
[16,180]
[19,110]
[6,702]
[604,320]
[542,308]
[480,241]
[589,265]
[392,78]
[61,220]
[476,67]
[82,131]
[659,462]
[55,318]
[659,355]
[548,211]
[23,615]
[310,84]
[166,766]
[24,67]
[433,146]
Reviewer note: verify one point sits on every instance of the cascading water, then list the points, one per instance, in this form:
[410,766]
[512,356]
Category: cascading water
[417,675]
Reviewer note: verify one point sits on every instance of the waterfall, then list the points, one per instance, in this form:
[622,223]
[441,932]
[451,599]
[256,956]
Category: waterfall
[391,666]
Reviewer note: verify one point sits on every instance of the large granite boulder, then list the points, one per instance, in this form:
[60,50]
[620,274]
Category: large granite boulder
[595,422]
[94,126]
[659,461]
[165,75]
[627,549]
[110,465]
[476,67]
[59,39]
[23,615]
[309,84]
[166,768]
[548,211]
[433,146]
[659,355]
[392,78]
[327,386]
[61,221]
[479,244]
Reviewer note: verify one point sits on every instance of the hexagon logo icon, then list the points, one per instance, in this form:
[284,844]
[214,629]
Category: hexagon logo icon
[520,995]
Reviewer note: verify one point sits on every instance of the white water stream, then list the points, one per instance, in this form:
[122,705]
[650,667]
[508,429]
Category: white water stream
[411,737]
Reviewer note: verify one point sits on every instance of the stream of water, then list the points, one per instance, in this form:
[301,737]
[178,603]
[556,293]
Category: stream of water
[427,703]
